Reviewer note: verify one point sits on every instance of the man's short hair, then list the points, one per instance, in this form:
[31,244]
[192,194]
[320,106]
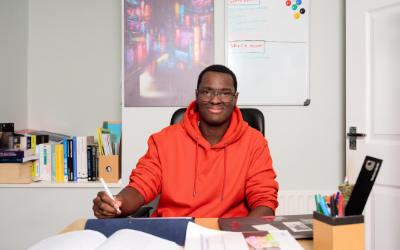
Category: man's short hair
[220,69]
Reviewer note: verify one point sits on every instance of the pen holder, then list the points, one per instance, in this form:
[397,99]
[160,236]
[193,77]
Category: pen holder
[344,233]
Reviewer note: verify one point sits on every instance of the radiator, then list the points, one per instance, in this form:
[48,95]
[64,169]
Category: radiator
[298,202]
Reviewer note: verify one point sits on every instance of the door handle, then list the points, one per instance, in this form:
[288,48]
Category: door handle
[353,137]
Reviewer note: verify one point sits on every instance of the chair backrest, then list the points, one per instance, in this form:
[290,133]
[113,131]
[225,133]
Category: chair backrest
[253,117]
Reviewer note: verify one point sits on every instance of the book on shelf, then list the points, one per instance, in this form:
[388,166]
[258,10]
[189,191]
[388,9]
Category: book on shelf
[65,159]
[24,131]
[74,157]
[70,160]
[19,160]
[53,137]
[53,162]
[84,158]
[57,163]
[33,145]
[16,153]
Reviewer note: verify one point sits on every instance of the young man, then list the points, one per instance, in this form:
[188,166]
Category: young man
[212,164]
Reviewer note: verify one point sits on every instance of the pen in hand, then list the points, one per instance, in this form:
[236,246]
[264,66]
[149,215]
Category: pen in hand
[108,191]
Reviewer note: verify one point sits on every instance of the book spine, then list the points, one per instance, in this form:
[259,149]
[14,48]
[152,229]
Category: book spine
[37,162]
[94,160]
[74,156]
[79,158]
[61,162]
[28,142]
[12,154]
[11,160]
[70,162]
[97,163]
[53,162]
[48,162]
[41,162]
[89,163]
[65,158]
[57,164]
[84,159]
[33,145]
[45,163]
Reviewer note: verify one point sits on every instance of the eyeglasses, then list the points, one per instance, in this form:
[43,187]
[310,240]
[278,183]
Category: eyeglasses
[208,95]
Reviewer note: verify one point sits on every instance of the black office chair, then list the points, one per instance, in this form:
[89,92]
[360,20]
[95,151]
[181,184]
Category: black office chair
[253,117]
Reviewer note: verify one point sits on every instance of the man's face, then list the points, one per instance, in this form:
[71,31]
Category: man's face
[216,112]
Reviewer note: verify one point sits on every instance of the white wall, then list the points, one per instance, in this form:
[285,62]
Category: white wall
[76,46]
[14,62]
[74,65]
[73,86]
[307,143]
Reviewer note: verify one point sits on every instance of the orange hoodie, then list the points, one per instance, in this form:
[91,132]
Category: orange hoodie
[198,180]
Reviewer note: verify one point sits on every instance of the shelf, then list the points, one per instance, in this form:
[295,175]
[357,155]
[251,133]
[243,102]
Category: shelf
[70,184]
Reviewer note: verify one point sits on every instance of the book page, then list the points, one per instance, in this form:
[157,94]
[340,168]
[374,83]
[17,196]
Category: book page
[127,239]
[199,238]
[82,240]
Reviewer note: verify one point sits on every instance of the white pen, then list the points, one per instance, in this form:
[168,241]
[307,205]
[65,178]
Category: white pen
[108,191]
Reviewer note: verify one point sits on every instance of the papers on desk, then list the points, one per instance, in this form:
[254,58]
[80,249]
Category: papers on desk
[125,239]
[201,238]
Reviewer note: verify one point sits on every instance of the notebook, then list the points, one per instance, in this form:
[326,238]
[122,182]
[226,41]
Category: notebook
[299,226]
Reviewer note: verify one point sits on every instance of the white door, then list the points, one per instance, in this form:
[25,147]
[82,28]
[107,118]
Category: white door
[373,106]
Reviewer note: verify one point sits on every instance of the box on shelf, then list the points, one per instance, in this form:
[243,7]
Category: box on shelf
[344,233]
[16,173]
[110,166]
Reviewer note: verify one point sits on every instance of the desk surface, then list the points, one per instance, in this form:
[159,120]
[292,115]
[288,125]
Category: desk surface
[212,223]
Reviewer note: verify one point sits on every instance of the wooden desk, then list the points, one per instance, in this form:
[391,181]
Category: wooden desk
[212,223]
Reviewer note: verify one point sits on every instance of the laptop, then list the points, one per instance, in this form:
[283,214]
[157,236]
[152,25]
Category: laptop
[299,226]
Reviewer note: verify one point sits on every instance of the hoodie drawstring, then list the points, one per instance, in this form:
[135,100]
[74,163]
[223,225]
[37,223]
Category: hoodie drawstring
[225,156]
[195,165]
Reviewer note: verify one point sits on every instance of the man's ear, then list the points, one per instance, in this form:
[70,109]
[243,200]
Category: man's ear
[236,97]
[196,95]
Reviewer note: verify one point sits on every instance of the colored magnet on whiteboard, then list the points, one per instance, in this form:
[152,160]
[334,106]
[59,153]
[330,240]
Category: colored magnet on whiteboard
[302,11]
[298,2]
[294,7]
[288,3]
[297,15]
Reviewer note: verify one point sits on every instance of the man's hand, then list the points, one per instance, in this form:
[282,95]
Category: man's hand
[104,207]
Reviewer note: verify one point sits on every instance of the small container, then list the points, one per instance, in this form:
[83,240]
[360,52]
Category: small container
[341,233]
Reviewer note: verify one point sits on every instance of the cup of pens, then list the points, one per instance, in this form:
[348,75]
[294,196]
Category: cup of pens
[333,230]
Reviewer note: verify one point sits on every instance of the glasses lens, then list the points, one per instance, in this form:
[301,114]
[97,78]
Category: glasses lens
[225,96]
[206,96]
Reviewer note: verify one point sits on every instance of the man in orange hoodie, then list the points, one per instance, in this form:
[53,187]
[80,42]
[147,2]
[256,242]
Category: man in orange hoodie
[212,164]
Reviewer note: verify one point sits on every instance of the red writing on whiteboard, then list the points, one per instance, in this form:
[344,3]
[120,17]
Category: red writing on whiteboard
[242,45]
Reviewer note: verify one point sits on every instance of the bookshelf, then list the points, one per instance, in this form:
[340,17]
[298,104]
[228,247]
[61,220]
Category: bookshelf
[70,184]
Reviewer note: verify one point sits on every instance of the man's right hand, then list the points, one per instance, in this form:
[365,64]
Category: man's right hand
[104,207]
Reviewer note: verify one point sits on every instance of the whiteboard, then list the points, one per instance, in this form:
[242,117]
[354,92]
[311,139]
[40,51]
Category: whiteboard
[267,48]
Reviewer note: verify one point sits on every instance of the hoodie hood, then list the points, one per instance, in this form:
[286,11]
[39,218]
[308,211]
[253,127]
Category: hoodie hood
[236,129]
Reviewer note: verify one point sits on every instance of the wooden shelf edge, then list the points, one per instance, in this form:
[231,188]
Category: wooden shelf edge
[70,184]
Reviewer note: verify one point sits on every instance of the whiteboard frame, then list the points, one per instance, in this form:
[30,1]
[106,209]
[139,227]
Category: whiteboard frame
[307,101]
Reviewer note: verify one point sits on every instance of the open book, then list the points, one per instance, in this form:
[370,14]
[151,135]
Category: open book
[125,239]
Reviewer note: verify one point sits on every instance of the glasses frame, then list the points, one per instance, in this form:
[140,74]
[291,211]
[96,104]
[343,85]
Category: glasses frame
[215,93]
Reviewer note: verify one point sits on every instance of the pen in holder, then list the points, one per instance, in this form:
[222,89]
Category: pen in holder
[334,233]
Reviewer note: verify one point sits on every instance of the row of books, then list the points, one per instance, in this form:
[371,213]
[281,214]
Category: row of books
[76,159]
